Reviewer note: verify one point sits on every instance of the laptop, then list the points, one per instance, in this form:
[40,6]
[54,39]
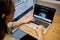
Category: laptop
[43,16]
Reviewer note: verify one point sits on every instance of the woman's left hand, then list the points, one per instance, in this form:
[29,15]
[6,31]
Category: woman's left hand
[19,22]
[28,20]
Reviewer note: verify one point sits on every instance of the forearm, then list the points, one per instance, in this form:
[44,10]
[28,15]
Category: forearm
[40,38]
[18,23]
[39,31]
[13,24]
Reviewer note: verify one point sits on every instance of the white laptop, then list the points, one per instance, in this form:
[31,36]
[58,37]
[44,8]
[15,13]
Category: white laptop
[43,16]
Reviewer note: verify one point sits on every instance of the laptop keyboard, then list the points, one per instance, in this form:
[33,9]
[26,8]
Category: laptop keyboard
[35,24]
[39,22]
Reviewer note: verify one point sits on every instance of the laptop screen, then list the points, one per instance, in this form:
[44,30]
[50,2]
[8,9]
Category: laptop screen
[43,12]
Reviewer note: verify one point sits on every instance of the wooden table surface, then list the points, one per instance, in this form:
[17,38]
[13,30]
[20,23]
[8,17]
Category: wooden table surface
[52,34]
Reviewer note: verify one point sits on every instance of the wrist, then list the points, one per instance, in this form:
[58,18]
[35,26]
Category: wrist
[39,38]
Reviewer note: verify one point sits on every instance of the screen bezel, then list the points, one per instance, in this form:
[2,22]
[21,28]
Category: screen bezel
[45,7]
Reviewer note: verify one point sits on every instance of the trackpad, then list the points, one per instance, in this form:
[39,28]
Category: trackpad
[32,25]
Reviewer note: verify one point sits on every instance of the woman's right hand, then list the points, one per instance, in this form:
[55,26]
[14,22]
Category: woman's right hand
[28,20]
[40,30]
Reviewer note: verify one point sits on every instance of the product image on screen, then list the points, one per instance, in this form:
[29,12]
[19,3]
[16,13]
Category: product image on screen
[42,14]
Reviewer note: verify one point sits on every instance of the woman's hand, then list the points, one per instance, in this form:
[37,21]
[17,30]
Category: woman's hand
[13,25]
[40,30]
[19,22]
[27,20]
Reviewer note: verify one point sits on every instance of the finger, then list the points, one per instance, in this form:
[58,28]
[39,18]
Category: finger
[28,20]
[32,19]
[40,28]
[25,21]
[39,31]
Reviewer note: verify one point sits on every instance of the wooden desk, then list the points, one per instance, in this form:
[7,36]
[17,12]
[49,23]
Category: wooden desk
[52,34]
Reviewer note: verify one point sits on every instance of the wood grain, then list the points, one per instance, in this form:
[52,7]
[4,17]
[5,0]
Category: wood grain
[53,32]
